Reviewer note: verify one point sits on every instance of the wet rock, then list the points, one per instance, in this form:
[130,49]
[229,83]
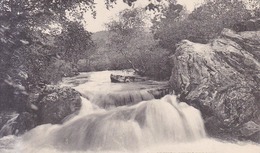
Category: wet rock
[221,78]
[56,103]
[24,122]
[16,124]
[5,116]
[7,119]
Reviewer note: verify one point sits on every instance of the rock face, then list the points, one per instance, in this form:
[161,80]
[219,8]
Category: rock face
[57,103]
[222,79]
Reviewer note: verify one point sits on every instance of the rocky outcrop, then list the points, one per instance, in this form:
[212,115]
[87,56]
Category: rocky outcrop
[222,79]
[56,103]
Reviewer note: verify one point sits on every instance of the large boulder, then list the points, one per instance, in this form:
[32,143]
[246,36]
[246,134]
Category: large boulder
[222,79]
[57,103]
[52,105]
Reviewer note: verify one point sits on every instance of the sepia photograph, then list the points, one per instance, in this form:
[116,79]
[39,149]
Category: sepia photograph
[129,76]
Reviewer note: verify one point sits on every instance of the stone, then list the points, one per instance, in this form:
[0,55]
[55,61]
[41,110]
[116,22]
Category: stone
[221,78]
[24,122]
[57,103]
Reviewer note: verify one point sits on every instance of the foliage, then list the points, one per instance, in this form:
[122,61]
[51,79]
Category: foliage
[34,33]
[203,24]
[166,26]
[29,42]
[74,42]
[132,41]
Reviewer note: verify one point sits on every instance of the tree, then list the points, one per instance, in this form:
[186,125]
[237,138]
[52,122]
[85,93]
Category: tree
[211,18]
[74,43]
[28,42]
[166,26]
[132,39]
[204,23]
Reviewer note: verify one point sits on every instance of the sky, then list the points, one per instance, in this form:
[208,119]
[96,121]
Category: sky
[104,16]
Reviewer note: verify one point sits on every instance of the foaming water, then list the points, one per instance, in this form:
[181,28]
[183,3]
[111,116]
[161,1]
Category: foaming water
[97,85]
[124,128]
[204,145]
[152,126]
[112,100]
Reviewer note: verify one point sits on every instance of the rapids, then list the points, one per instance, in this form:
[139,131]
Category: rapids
[105,124]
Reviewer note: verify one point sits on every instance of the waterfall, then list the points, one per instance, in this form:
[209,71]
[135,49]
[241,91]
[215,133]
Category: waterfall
[112,100]
[123,128]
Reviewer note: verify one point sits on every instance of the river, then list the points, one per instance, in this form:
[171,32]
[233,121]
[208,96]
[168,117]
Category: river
[123,117]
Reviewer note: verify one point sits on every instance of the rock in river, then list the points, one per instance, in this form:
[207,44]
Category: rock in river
[57,103]
[222,79]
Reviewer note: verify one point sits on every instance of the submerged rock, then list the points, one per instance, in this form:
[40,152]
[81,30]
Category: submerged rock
[57,103]
[221,78]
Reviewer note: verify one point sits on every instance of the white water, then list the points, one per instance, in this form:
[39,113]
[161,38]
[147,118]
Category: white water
[152,126]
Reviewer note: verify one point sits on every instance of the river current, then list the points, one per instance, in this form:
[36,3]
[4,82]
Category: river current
[123,117]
